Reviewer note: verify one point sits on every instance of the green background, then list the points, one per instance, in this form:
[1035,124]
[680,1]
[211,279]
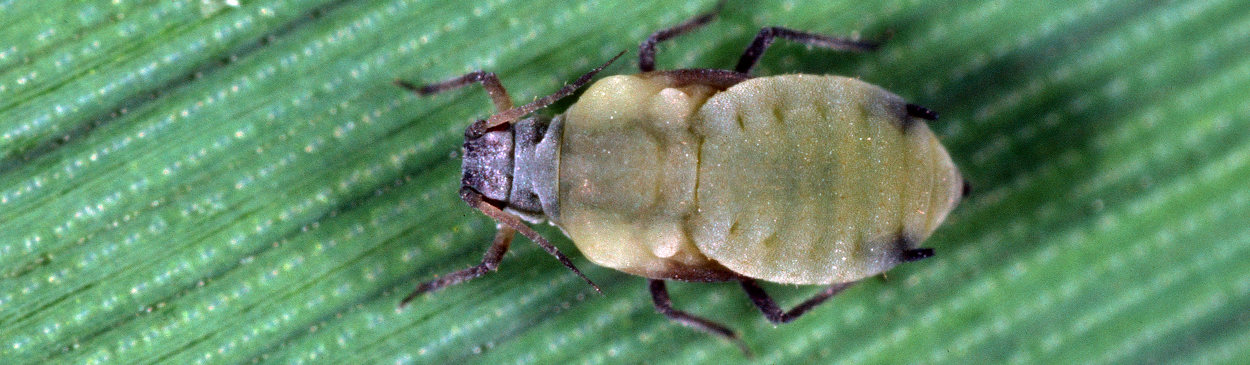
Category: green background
[193,182]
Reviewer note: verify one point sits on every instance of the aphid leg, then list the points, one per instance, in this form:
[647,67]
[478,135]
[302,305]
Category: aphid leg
[490,262]
[475,200]
[489,81]
[646,50]
[659,295]
[774,314]
[765,38]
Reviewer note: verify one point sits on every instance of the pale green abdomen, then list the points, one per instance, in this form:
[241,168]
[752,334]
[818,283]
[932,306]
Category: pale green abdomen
[814,179]
[793,179]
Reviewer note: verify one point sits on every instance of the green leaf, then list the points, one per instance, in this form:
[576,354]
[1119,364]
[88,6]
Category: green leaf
[211,182]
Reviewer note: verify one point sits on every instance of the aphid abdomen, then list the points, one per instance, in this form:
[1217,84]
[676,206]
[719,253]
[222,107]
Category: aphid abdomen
[807,179]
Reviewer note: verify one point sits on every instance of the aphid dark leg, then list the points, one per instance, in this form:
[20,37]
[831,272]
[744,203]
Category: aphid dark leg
[475,200]
[774,314]
[659,295]
[967,189]
[765,38]
[921,112]
[489,81]
[646,50]
[490,262]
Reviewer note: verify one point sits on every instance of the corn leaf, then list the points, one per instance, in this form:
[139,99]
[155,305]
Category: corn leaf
[221,182]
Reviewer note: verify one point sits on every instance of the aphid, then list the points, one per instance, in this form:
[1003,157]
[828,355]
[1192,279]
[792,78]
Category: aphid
[709,175]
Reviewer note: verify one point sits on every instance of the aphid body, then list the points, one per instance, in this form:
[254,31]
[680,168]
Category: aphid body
[712,175]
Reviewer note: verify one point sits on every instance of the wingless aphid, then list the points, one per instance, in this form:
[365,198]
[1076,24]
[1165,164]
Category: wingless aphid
[709,175]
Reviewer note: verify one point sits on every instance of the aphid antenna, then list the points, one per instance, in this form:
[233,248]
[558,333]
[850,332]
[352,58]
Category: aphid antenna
[510,115]
[475,200]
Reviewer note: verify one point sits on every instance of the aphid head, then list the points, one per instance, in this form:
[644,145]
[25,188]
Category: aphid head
[511,166]
[487,163]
